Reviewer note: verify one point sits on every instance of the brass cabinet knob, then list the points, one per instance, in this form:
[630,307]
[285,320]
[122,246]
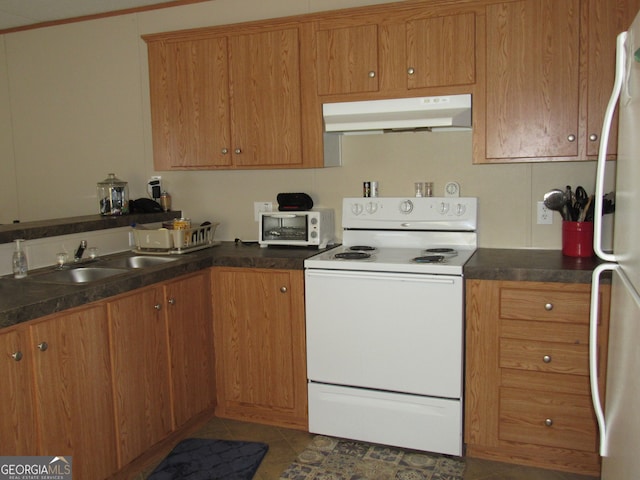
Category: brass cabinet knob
[372,74]
[157,306]
[172,301]
[224,151]
[411,70]
[238,151]
[546,359]
[593,137]
[548,307]
[17,356]
[43,346]
[571,137]
[548,422]
[283,289]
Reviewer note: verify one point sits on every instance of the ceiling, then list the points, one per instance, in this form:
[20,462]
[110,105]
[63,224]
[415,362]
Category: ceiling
[25,13]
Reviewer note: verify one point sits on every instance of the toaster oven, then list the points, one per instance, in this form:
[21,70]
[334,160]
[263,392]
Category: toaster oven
[301,228]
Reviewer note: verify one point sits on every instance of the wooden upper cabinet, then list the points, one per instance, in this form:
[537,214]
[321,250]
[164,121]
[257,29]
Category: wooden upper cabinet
[532,86]
[441,51]
[606,21]
[188,82]
[265,98]
[347,59]
[395,55]
[222,100]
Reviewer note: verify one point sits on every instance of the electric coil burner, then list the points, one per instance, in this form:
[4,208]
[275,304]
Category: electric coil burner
[384,323]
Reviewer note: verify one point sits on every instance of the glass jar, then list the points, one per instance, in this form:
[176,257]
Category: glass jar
[113,196]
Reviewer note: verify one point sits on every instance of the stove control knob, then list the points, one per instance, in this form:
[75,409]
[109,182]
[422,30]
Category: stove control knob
[406,206]
[461,208]
[372,207]
[444,208]
[357,208]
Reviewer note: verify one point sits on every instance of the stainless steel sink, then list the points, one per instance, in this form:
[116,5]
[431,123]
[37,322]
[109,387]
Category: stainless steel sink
[78,275]
[137,261]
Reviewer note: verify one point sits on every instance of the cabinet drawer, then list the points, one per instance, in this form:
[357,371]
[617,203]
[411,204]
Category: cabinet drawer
[545,305]
[558,420]
[544,356]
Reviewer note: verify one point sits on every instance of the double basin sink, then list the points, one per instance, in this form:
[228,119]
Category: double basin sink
[95,270]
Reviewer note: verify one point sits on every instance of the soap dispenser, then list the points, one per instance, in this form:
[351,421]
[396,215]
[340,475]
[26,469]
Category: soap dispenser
[19,260]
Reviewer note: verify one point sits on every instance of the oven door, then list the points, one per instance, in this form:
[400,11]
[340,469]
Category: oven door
[386,331]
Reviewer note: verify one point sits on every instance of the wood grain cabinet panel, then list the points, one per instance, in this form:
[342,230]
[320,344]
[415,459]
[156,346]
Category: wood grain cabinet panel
[347,59]
[441,51]
[141,381]
[533,79]
[226,99]
[260,345]
[190,327]
[18,434]
[528,398]
[73,401]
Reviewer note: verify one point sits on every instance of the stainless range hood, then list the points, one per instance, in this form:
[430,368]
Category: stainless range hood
[402,114]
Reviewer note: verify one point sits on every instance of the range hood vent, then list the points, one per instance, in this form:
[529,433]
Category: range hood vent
[451,112]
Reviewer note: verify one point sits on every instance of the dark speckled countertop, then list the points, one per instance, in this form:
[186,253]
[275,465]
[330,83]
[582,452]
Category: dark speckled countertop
[27,299]
[529,265]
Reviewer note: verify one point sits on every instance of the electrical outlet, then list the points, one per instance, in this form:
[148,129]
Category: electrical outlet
[545,216]
[261,207]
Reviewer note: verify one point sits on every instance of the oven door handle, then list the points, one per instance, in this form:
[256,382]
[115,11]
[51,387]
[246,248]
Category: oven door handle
[423,278]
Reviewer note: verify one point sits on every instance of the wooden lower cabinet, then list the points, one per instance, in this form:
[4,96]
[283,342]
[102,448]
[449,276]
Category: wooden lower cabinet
[528,397]
[190,326]
[260,350]
[141,381]
[105,382]
[58,398]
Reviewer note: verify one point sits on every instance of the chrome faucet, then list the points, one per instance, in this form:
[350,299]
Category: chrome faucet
[81,248]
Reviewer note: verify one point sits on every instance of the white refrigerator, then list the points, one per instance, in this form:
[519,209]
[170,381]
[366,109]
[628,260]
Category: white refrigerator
[619,417]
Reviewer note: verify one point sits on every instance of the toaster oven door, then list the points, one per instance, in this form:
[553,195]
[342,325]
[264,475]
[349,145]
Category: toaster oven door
[285,227]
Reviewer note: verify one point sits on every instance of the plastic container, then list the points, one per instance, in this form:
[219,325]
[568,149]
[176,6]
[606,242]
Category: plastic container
[113,196]
[577,239]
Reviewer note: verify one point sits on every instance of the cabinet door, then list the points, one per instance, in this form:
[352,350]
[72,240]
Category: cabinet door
[532,79]
[73,394]
[606,21]
[188,82]
[140,360]
[17,414]
[441,51]
[265,99]
[191,345]
[347,59]
[260,353]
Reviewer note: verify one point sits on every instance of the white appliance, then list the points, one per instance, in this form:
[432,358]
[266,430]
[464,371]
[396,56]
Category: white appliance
[308,228]
[619,422]
[384,318]
[398,114]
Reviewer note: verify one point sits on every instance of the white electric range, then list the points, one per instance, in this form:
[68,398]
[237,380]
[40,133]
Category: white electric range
[385,323]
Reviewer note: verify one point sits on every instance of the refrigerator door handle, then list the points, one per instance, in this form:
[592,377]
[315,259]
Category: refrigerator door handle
[593,351]
[602,151]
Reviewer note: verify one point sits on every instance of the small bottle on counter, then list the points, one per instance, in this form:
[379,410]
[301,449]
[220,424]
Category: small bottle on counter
[165,201]
[20,266]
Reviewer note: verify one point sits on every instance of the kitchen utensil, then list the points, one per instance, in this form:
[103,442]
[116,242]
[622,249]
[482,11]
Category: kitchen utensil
[556,200]
[584,210]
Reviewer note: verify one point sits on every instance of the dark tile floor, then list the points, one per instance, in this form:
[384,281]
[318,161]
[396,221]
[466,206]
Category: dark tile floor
[285,445]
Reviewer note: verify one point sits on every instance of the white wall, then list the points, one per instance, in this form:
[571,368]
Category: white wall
[74,106]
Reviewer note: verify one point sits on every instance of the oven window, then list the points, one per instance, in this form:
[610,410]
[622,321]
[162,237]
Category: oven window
[285,227]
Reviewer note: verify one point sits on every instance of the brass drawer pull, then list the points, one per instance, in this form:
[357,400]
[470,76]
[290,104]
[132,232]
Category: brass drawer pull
[17,356]
[548,422]
[548,307]
[546,359]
